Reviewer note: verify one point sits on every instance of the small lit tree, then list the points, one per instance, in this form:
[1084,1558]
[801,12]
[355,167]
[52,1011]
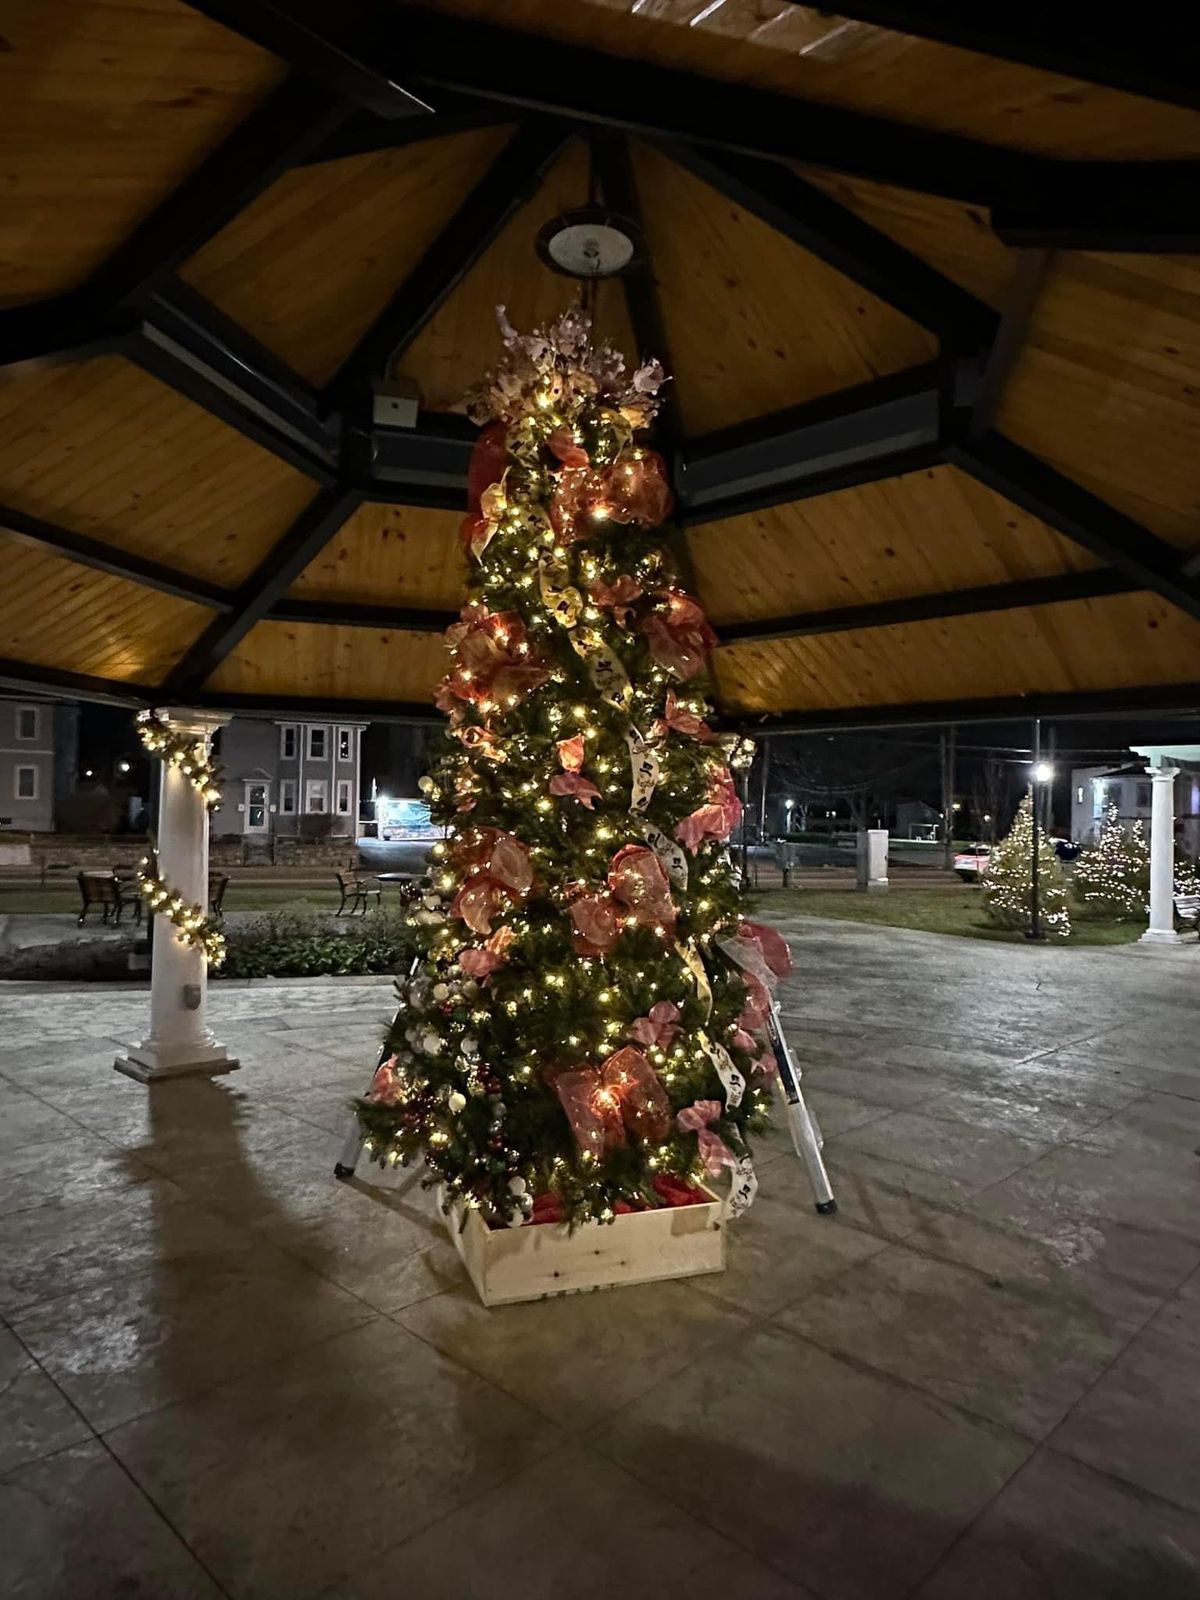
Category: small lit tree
[1112,876]
[1008,881]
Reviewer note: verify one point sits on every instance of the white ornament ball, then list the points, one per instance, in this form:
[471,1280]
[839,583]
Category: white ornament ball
[431,1043]
[441,991]
[517,1185]
[470,1046]
[456,1101]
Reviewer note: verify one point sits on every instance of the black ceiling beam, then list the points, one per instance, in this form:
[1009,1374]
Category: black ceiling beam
[1150,698]
[266,586]
[366,48]
[292,120]
[186,342]
[610,153]
[383,619]
[27,678]
[328,43]
[513,176]
[930,607]
[1098,45]
[874,430]
[1079,515]
[802,213]
[60,330]
[1020,301]
[1132,206]
[364,134]
[318,708]
[101,557]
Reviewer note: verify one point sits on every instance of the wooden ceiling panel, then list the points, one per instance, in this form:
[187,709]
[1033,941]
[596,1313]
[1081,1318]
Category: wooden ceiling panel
[809,52]
[310,264]
[339,663]
[1117,642]
[390,555]
[103,449]
[461,341]
[105,106]
[921,534]
[58,614]
[753,322]
[1108,387]
[950,235]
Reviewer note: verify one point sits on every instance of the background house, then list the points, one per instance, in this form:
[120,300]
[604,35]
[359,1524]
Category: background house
[289,779]
[1094,789]
[38,760]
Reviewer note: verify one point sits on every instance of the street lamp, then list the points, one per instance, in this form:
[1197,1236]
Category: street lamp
[1041,772]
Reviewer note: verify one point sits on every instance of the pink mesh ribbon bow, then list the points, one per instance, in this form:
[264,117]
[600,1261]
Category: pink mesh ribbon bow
[679,637]
[498,872]
[659,1029]
[571,781]
[624,1095]
[716,818]
[714,1152]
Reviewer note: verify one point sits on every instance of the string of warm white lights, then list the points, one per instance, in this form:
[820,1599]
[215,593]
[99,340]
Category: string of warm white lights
[189,753]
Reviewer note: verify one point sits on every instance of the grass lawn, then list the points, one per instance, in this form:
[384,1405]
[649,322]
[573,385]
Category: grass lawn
[943,910]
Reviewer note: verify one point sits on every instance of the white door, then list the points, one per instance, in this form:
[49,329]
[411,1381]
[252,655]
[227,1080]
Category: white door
[256,808]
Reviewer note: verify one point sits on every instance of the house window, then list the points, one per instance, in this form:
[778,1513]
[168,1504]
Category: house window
[1143,796]
[287,797]
[343,797]
[256,808]
[1078,797]
[316,795]
[27,722]
[318,744]
[287,741]
[345,745]
[25,783]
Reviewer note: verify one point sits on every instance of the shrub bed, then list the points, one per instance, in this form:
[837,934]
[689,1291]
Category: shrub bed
[298,942]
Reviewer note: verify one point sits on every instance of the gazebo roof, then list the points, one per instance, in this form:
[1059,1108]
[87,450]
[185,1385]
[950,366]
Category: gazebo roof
[924,278]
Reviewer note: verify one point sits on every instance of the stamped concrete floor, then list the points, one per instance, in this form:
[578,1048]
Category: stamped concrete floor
[225,1374]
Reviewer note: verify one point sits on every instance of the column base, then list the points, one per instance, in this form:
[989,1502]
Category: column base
[877,886]
[150,1064]
[1160,936]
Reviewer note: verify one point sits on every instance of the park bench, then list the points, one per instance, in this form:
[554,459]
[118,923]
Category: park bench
[218,882]
[355,892]
[106,890]
[1187,908]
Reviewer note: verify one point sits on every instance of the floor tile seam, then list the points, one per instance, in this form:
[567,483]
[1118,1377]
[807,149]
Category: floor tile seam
[1028,1292]
[191,1395]
[595,1447]
[749,1325]
[906,1386]
[842,1270]
[93,1431]
[1151,1497]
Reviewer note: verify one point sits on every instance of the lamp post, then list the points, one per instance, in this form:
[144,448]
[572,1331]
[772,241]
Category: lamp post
[1040,773]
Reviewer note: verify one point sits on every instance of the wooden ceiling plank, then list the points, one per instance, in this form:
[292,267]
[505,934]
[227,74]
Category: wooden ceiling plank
[514,175]
[810,219]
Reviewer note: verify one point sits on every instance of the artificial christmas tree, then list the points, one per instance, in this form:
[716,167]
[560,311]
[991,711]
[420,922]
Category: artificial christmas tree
[582,1035]
[1112,876]
[1008,880]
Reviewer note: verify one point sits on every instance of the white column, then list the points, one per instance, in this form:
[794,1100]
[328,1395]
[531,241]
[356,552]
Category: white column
[180,1043]
[1162,855]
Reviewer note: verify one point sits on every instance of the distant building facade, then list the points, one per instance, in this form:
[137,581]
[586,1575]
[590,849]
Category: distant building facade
[38,759]
[289,779]
[1094,789]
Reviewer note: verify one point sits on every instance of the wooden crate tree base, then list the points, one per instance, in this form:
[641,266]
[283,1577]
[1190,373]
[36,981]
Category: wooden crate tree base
[529,1263]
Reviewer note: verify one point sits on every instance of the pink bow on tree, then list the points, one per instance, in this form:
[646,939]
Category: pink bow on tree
[659,1029]
[498,872]
[682,721]
[387,1086]
[714,1152]
[480,961]
[571,781]
[638,887]
[493,661]
[623,1095]
[716,818]
[679,636]
[617,596]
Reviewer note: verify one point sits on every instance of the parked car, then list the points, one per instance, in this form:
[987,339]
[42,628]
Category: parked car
[972,864]
[1065,849]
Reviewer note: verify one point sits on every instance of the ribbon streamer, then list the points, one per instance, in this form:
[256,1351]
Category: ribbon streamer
[733,1080]
[672,855]
[743,1189]
[688,954]
[561,599]
[607,674]
[644,765]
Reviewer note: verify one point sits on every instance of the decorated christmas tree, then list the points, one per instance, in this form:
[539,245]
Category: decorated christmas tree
[1112,876]
[1008,881]
[583,1031]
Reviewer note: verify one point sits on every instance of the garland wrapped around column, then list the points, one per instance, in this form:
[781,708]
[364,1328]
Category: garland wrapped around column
[191,755]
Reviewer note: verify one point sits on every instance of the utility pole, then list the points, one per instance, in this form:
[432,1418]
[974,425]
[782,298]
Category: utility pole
[1035,919]
[946,745]
[764,746]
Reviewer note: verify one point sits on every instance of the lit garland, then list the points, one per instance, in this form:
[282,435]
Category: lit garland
[1114,873]
[1008,881]
[190,754]
[183,750]
[192,925]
